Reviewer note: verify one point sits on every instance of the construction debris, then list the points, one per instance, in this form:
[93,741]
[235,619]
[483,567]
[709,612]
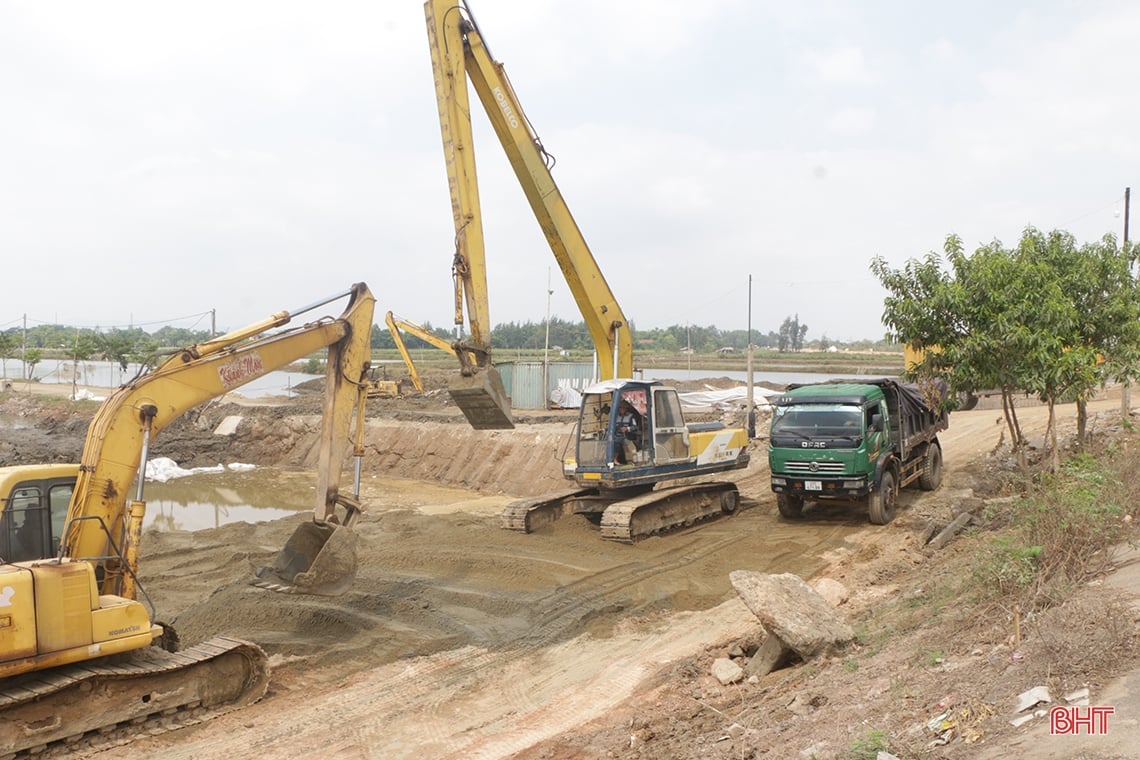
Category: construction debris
[798,619]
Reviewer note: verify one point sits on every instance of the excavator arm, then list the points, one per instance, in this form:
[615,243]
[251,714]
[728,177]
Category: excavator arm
[459,54]
[395,325]
[105,519]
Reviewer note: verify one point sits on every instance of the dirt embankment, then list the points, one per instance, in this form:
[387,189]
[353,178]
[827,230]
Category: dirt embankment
[460,639]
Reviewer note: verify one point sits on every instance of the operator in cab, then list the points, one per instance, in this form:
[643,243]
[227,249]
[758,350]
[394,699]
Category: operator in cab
[627,433]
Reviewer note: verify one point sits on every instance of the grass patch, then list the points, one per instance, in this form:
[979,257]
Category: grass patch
[869,745]
[1059,535]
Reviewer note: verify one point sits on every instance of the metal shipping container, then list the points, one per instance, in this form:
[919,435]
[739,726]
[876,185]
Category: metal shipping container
[524,381]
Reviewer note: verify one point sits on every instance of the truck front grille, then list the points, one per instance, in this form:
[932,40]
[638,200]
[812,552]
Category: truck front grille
[815,468]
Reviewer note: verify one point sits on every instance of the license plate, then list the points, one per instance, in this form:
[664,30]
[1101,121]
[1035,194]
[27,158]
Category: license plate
[813,485]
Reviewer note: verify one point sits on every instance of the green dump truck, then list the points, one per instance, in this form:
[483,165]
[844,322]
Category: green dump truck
[855,442]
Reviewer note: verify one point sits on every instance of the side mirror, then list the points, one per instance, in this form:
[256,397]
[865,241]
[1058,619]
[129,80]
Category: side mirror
[876,423]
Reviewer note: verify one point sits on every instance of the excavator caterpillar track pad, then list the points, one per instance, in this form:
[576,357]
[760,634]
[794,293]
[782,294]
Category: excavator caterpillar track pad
[317,559]
[483,399]
[668,508]
[526,515]
[41,709]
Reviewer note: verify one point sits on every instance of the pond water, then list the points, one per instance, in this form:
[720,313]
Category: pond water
[212,499]
[102,374]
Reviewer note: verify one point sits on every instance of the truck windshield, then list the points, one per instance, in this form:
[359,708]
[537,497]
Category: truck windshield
[811,421]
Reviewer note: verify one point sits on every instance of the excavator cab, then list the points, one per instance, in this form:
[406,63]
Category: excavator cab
[614,426]
[33,509]
[627,428]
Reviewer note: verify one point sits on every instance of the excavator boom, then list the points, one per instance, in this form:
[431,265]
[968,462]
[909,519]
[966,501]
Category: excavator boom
[459,54]
[619,480]
[395,325]
[102,512]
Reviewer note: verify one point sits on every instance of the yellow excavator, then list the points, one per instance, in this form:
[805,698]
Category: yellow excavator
[617,486]
[76,627]
[397,326]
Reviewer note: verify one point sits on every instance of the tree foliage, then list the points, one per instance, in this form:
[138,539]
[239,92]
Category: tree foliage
[1048,318]
[792,334]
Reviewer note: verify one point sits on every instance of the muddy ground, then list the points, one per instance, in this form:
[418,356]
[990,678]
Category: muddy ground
[462,640]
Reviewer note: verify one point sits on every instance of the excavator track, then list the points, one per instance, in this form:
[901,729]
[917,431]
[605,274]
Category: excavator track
[631,518]
[660,510]
[526,515]
[62,706]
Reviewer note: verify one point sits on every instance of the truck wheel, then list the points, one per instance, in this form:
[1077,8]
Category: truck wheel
[966,402]
[881,502]
[729,501]
[791,507]
[931,476]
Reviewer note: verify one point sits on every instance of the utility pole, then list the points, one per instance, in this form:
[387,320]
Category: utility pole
[751,406]
[689,351]
[546,349]
[1126,389]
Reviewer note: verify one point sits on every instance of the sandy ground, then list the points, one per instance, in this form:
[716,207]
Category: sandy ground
[463,640]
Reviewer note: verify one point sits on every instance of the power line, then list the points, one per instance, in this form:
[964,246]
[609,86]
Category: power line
[1114,202]
[162,322]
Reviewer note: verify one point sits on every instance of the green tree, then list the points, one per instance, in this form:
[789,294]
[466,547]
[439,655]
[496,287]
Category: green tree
[82,348]
[1033,319]
[1098,279]
[32,357]
[792,334]
[8,347]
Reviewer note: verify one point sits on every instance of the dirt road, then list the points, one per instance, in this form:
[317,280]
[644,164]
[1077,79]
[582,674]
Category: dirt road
[463,640]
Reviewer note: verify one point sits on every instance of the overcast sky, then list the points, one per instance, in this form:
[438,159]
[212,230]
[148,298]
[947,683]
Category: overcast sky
[159,160]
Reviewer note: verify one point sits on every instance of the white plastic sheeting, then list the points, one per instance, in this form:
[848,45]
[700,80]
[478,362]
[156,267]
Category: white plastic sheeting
[565,397]
[725,400]
[162,469]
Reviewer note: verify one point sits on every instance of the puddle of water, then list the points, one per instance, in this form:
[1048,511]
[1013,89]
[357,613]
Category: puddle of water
[212,499]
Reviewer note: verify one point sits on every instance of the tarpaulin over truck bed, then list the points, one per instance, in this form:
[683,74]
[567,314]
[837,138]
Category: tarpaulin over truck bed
[914,399]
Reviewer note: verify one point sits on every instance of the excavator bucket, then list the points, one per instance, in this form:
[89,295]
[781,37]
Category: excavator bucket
[483,399]
[317,559]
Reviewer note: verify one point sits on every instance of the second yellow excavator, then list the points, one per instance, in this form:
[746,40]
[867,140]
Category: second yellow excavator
[621,477]
[398,324]
[76,627]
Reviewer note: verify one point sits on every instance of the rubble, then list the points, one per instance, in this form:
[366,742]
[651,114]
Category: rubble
[1032,698]
[726,671]
[798,618]
[832,590]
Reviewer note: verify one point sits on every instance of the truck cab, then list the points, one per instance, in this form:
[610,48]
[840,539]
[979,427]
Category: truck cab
[855,442]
